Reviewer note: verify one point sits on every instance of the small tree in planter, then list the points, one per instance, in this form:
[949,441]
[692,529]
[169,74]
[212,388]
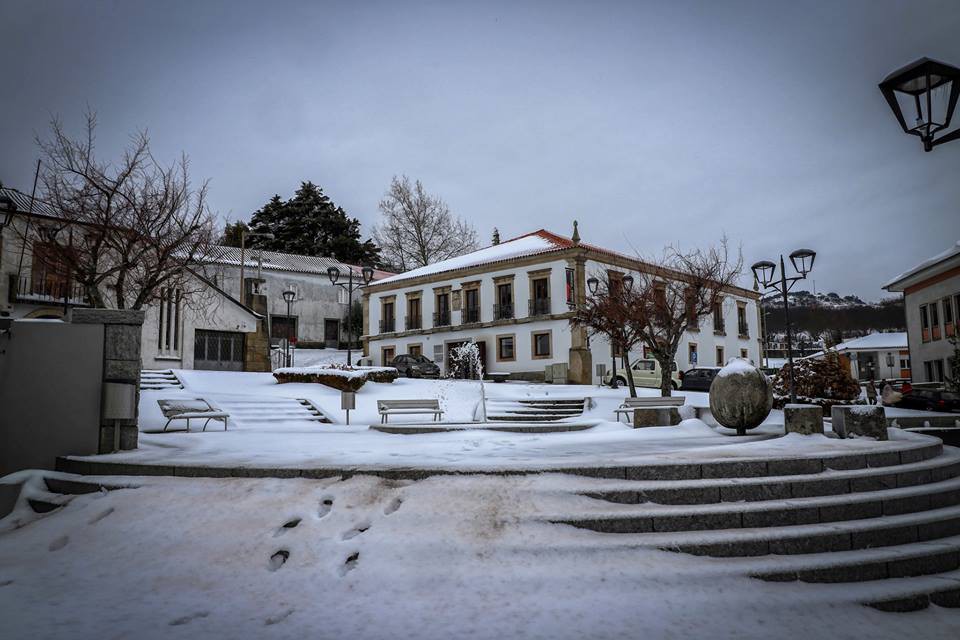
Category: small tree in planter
[824,381]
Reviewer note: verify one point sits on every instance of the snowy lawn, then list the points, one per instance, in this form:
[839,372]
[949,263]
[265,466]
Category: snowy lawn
[304,444]
[442,558]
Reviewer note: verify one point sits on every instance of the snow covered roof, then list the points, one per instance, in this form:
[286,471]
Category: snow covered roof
[871,342]
[923,266]
[22,203]
[276,261]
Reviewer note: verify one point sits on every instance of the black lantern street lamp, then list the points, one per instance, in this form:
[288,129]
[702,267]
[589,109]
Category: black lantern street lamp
[288,296]
[366,274]
[593,284]
[765,271]
[923,96]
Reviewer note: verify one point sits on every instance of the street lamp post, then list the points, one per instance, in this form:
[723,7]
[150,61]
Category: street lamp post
[366,273]
[929,89]
[288,297]
[593,284]
[765,271]
[243,256]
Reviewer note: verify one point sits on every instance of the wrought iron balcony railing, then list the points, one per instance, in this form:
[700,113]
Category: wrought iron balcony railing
[471,314]
[441,318]
[413,322]
[502,311]
[539,307]
[388,325]
[46,289]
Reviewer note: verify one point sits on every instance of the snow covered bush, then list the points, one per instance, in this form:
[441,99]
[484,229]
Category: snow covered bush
[824,382]
[337,376]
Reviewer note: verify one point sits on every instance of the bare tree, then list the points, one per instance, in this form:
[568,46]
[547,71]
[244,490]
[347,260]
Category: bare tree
[669,296]
[127,230]
[417,229]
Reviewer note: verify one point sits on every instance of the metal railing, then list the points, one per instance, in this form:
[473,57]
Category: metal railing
[388,325]
[413,322]
[471,314]
[539,306]
[441,318]
[46,289]
[502,311]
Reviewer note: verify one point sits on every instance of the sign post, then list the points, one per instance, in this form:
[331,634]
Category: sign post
[348,401]
[601,372]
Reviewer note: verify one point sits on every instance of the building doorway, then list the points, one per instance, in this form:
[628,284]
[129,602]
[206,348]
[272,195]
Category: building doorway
[331,333]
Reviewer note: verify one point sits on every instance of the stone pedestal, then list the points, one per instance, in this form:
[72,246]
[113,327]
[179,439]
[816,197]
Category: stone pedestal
[122,331]
[256,356]
[805,419]
[859,420]
[656,417]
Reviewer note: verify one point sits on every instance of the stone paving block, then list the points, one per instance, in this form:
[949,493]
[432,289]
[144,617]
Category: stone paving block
[743,548]
[886,537]
[121,342]
[937,530]
[873,483]
[794,466]
[911,504]
[852,511]
[689,495]
[945,472]
[656,417]
[319,474]
[755,492]
[844,463]
[664,472]
[783,576]
[943,499]
[924,565]
[910,456]
[698,522]
[734,469]
[902,605]
[596,472]
[204,472]
[811,544]
[620,497]
[825,487]
[859,420]
[883,459]
[612,525]
[949,598]
[846,573]
[805,419]
[913,478]
[780,517]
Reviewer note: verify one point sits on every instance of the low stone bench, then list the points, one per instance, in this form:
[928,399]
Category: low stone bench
[805,419]
[859,420]
[652,411]
[497,377]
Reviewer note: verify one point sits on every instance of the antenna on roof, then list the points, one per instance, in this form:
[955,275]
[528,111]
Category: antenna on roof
[496,236]
[576,234]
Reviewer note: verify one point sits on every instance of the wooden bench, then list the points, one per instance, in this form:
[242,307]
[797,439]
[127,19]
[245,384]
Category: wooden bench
[631,404]
[191,409]
[388,408]
[497,377]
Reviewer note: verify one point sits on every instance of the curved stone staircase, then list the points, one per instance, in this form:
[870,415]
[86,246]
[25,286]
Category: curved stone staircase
[534,409]
[890,518]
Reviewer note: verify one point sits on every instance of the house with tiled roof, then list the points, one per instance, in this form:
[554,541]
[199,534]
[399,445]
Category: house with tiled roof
[516,300]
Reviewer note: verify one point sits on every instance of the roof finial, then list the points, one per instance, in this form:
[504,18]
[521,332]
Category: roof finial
[576,234]
[496,236]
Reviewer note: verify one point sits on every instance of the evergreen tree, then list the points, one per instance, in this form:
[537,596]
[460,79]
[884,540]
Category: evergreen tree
[231,233]
[311,224]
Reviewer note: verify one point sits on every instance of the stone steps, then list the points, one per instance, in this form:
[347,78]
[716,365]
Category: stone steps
[272,410]
[159,380]
[534,409]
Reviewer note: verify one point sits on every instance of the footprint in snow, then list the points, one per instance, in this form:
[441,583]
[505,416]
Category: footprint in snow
[325,506]
[349,564]
[289,524]
[392,507]
[278,558]
[278,618]
[59,543]
[353,533]
[188,618]
[100,516]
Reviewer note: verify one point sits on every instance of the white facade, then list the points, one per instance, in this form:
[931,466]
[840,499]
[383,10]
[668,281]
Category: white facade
[549,270]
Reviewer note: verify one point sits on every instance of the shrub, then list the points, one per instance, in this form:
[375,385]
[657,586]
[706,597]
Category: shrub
[337,376]
[823,382]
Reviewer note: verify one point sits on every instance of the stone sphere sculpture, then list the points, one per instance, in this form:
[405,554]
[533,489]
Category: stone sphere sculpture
[741,396]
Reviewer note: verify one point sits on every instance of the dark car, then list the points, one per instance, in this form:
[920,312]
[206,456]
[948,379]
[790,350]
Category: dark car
[698,378]
[930,400]
[415,366]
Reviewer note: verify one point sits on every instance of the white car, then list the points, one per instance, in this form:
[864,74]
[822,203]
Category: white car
[646,373]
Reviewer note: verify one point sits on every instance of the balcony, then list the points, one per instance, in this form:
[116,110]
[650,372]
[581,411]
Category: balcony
[719,329]
[441,318]
[744,330]
[413,322]
[503,312]
[539,307]
[388,325]
[46,290]
[471,315]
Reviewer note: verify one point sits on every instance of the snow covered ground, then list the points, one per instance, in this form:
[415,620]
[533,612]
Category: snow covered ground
[446,557]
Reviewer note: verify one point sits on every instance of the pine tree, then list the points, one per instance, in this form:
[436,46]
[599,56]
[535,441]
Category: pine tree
[231,233]
[311,224]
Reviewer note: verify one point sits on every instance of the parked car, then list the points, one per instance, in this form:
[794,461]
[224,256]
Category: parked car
[415,366]
[930,400]
[698,378]
[646,373]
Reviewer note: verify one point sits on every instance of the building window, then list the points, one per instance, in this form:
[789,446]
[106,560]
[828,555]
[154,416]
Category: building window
[719,356]
[938,370]
[742,327]
[744,353]
[503,309]
[414,318]
[168,336]
[506,348]
[570,279]
[441,317]
[924,324]
[438,354]
[904,363]
[718,326]
[541,344]
[539,297]
[692,353]
[690,309]
[948,327]
[414,349]
[387,318]
[889,359]
[928,370]
[386,355]
[471,305]
[283,327]
[934,310]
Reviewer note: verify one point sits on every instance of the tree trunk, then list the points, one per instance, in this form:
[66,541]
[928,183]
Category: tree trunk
[625,359]
[666,377]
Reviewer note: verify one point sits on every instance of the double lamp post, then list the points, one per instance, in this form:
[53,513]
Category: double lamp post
[593,284]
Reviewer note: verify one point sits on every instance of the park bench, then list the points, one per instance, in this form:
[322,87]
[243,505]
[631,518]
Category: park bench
[388,408]
[497,377]
[651,407]
[191,409]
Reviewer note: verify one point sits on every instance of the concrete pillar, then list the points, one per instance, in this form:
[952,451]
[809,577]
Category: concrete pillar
[859,420]
[256,350]
[805,419]
[656,417]
[122,332]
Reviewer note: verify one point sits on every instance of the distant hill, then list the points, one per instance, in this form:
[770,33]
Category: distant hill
[830,315]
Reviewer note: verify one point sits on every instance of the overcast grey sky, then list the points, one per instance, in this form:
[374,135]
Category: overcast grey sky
[651,123]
